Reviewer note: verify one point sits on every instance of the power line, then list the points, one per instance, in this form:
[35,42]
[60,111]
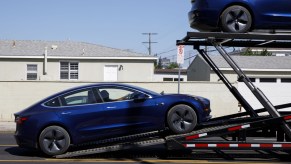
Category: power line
[150,41]
[166,51]
[167,55]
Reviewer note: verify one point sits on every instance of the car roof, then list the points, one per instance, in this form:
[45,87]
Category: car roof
[152,93]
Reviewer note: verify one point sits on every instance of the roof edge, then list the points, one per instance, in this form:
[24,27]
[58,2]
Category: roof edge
[74,57]
[262,70]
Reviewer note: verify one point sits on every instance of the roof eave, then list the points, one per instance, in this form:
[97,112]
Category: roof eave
[79,57]
[257,69]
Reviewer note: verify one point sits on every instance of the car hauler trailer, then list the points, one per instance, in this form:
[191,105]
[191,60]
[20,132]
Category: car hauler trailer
[242,131]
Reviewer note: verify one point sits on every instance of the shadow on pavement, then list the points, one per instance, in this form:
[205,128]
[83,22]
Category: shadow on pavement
[17,151]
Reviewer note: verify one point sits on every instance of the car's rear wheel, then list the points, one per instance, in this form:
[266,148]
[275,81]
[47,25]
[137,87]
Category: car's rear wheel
[181,119]
[54,140]
[236,19]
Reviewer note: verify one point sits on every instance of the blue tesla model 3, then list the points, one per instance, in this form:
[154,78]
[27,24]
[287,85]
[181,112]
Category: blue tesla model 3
[240,16]
[100,111]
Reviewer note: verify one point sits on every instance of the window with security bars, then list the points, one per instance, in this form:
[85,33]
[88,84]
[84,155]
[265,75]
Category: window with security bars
[69,71]
[172,79]
[286,80]
[31,70]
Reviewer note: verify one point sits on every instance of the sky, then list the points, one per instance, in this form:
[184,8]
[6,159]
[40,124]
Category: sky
[112,23]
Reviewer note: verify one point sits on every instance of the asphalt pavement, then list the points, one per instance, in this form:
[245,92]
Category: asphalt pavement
[11,153]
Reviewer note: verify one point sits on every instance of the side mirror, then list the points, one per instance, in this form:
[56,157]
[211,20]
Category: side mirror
[140,97]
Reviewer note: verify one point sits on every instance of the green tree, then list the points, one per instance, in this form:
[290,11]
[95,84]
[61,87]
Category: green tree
[159,65]
[265,52]
[249,52]
[173,65]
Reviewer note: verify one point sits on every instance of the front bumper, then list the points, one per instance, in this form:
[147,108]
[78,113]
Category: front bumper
[208,117]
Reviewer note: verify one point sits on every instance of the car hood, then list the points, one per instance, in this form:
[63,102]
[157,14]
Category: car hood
[198,98]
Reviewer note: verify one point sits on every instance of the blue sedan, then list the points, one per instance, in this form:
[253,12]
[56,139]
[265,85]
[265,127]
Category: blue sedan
[106,110]
[240,16]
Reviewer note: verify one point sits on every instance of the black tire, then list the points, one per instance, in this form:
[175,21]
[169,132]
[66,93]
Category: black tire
[54,140]
[236,19]
[181,119]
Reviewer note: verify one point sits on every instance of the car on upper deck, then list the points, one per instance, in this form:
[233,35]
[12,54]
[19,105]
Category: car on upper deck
[106,110]
[240,16]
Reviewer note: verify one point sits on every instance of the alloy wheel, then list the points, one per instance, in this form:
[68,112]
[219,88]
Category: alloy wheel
[236,19]
[181,119]
[54,140]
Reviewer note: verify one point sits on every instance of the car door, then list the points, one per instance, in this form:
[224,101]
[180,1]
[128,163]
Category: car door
[83,112]
[127,112]
[275,13]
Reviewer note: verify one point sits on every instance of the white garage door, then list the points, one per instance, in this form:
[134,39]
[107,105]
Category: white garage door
[110,72]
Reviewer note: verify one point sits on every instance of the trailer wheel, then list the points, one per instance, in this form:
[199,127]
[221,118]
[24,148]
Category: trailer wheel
[54,140]
[181,119]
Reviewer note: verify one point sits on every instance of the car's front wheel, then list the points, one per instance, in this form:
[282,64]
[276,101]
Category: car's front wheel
[181,119]
[54,140]
[236,19]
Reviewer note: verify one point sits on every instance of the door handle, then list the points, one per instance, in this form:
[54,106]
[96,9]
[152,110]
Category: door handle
[66,112]
[111,107]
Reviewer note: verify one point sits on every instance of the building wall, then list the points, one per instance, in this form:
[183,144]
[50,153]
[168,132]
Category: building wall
[160,77]
[277,93]
[198,70]
[89,70]
[267,74]
[233,77]
[15,69]
[228,74]
[17,95]
[136,71]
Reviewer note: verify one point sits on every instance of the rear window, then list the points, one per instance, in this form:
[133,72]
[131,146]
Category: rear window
[53,103]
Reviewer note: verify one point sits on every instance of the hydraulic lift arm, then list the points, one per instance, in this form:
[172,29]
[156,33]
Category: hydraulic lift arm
[232,89]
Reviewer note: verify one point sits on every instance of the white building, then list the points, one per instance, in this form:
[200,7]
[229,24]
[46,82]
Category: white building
[170,75]
[33,70]
[272,74]
[68,60]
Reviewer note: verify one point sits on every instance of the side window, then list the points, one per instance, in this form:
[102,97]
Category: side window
[78,98]
[116,94]
[53,103]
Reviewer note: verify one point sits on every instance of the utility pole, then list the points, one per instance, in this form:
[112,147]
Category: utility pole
[150,41]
